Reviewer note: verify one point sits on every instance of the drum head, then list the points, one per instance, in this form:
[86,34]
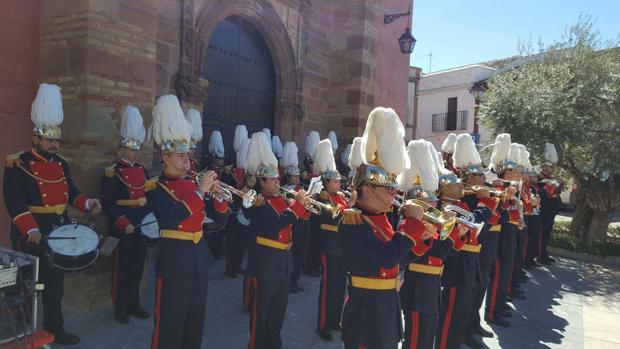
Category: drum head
[86,240]
[151,231]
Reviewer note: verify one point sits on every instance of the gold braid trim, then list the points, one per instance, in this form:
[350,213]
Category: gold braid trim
[352,216]
[129,185]
[14,160]
[151,184]
[39,178]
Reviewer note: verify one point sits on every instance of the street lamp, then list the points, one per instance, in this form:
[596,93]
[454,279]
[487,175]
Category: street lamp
[406,41]
[477,90]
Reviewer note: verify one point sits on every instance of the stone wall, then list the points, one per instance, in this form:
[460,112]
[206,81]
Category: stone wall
[19,41]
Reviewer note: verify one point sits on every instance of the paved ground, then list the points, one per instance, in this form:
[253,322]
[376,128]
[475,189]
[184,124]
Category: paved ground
[570,305]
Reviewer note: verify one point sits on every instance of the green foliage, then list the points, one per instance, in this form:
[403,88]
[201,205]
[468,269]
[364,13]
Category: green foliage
[561,238]
[569,95]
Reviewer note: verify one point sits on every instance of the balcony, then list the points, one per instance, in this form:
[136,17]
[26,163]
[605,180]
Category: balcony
[450,121]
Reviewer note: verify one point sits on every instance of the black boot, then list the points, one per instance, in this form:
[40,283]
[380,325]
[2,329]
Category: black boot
[482,332]
[471,342]
[325,335]
[139,312]
[500,321]
[64,338]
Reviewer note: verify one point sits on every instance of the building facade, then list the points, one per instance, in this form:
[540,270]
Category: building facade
[289,65]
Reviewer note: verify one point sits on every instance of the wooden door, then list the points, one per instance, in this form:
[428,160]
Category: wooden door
[241,82]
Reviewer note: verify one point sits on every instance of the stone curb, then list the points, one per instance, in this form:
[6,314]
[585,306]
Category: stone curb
[609,260]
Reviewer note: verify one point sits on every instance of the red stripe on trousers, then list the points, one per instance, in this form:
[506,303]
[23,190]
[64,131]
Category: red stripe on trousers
[524,250]
[114,277]
[246,298]
[323,305]
[158,290]
[415,329]
[254,314]
[448,318]
[494,291]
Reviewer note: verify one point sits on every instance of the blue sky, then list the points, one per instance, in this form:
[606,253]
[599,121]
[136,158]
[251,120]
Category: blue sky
[462,32]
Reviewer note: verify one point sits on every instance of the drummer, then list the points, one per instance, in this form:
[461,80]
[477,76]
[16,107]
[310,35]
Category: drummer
[124,202]
[37,190]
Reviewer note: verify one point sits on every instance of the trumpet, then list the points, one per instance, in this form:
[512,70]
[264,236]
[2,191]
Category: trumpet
[473,189]
[314,206]
[466,218]
[248,197]
[436,217]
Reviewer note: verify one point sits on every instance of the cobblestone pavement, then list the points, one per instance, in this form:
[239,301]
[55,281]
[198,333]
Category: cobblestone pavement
[569,305]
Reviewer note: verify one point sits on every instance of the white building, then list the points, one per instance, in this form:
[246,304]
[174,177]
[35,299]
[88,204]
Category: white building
[444,101]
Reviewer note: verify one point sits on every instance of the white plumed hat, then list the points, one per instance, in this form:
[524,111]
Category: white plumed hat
[193,116]
[276,146]
[170,130]
[551,154]
[46,112]
[466,157]
[216,144]
[132,128]
[289,159]
[324,162]
[383,149]
[312,140]
[332,138]
[241,134]
[261,160]
[448,144]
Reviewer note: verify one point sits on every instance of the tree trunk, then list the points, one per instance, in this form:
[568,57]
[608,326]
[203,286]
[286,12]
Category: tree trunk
[598,226]
[581,218]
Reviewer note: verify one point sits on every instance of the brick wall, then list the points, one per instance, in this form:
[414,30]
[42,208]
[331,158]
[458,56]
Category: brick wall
[19,26]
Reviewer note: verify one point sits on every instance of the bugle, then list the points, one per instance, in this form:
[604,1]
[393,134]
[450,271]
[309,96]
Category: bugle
[248,197]
[315,206]
[473,189]
[436,217]
[466,218]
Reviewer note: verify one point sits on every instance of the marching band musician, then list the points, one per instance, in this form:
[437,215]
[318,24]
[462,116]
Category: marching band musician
[461,277]
[312,263]
[447,149]
[37,189]
[550,200]
[124,202]
[289,162]
[534,221]
[371,249]
[467,161]
[183,259]
[215,239]
[421,289]
[333,277]
[506,169]
[194,119]
[238,226]
[270,262]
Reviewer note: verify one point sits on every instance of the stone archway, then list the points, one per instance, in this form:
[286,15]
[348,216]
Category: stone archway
[263,16]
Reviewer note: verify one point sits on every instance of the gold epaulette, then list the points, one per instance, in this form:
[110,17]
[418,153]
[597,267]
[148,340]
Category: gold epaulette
[151,184]
[324,195]
[109,171]
[352,216]
[13,159]
[260,201]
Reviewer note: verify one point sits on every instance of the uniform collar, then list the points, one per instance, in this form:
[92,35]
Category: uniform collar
[127,163]
[40,157]
[366,211]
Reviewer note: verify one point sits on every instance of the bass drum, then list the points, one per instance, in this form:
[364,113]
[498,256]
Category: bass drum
[76,253]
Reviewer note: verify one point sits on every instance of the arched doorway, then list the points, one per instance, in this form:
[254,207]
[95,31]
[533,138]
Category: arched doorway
[242,82]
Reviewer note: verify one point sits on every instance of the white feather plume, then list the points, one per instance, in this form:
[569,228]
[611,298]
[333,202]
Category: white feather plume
[193,116]
[242,154]
[267,133]
[515,153]
[355,156]
[344,157]
[169,123]
[551,154]
[525,158]
[260,153]
[383,141]
[500,149]
[46,109]
[276,146]
[422,166]
[332,138]
[241,134]
[312,140]
[437,159]
[289,155]
[465,152]
[216,144]
[132,125]
[324,157]
[448,144]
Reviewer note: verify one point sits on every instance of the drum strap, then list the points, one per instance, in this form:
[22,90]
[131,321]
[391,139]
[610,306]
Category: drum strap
[57,209]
